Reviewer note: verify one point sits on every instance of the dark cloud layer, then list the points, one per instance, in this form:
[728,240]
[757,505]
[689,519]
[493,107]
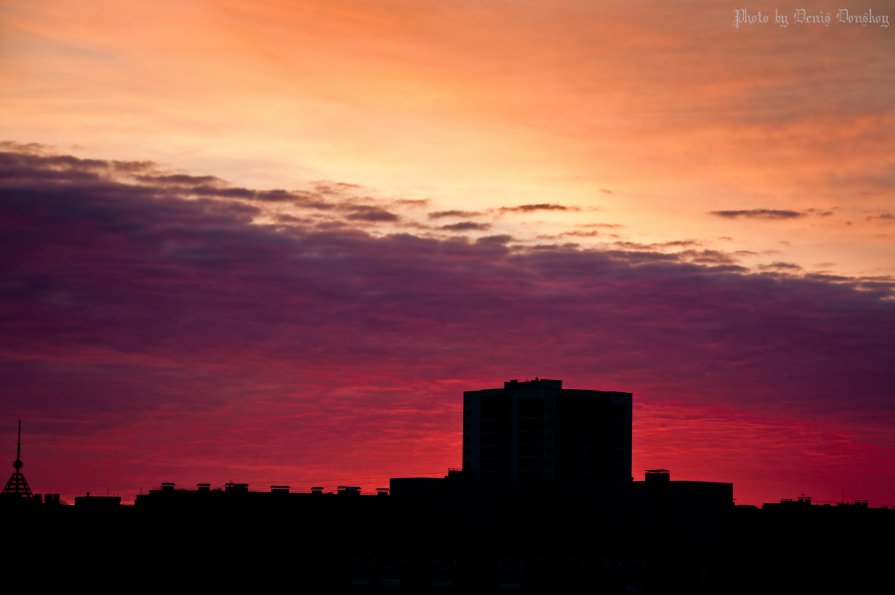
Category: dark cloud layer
[124,303]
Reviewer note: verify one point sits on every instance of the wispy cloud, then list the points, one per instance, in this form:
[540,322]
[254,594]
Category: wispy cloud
[497,240]
[412,202]
[529,208]
[884,217]
[627,245]
[466,226]
[770,214]
[780,267]
[454,213]
[369,213]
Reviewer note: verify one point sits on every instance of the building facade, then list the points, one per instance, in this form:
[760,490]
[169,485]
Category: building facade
[538,432]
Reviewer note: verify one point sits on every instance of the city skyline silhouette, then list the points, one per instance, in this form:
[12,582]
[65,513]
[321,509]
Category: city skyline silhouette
[545,501]
[529,432]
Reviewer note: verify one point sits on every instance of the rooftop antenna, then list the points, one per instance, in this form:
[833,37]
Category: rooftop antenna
[17,484]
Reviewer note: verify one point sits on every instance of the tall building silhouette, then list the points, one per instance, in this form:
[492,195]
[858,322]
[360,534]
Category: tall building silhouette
[17,484]
[539,432]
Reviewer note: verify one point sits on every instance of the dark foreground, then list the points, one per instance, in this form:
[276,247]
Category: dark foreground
[448,543]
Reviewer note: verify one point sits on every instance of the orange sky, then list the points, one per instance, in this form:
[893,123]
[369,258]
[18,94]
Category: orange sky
[648,115]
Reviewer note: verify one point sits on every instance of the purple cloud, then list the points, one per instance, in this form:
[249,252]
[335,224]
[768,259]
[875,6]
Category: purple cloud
[126,302]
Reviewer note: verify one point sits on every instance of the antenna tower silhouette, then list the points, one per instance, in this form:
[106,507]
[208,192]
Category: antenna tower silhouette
[17,484]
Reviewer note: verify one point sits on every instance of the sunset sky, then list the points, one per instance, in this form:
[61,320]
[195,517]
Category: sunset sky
[274,241]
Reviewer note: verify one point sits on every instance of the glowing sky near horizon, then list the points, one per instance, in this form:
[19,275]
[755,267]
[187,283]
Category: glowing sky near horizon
[638,132]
